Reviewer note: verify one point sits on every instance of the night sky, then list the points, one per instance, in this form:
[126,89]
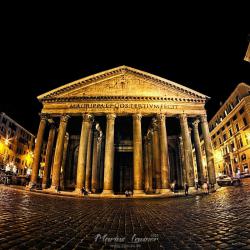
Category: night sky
[44,48]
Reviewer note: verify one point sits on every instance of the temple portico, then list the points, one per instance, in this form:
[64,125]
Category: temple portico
[96,159]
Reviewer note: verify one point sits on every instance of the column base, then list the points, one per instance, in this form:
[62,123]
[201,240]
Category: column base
[30,186]
[107,192]
[192,189]
[53,189]
[140,191]
[157,191]
[164,190]
[78,191]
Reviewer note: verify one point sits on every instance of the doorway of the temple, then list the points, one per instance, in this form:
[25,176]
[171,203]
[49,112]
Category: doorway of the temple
[123,172]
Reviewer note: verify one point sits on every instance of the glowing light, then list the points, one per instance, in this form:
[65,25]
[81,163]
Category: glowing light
[7,168]
[218,155]
[248,137]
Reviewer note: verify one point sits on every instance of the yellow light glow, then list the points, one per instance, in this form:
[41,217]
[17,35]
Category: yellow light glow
[248,137]
[29,158]
[218,155]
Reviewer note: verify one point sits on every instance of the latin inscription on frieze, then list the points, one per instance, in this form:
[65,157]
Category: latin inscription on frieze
[123,106]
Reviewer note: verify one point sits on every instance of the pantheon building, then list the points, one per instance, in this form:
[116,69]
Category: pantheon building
[122,129]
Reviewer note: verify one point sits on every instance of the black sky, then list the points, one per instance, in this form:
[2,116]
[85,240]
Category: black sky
[44,47]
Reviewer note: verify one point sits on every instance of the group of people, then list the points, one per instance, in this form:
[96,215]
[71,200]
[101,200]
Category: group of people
[128,193]
[205,187]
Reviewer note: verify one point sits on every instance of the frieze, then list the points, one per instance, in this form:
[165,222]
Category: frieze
[122,106]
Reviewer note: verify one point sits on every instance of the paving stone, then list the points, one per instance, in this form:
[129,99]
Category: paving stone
[49,222]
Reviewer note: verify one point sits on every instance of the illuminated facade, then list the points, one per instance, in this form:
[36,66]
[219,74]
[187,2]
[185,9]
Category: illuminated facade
[115,149]
[230,133]
[16,146]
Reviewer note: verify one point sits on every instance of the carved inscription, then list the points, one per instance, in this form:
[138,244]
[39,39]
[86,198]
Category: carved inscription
[123,106]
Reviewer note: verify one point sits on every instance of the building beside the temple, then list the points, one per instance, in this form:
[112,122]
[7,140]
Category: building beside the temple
[230,133]
[124,141]
[16,146]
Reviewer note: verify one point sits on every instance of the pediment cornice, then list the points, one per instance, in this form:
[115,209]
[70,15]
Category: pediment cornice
[120,71]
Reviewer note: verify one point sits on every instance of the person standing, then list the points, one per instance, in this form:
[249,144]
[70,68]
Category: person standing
[186,188]
[205,187]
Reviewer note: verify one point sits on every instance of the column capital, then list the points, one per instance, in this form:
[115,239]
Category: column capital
[154,124]
[183,117]
[87,117]
[64,118]
[137,116]
[52,125]
[196,123]
[203,118]
[111,116]
[43,116]
[161,117]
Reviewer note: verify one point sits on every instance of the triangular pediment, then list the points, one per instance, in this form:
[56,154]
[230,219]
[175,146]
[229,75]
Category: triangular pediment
[122,81]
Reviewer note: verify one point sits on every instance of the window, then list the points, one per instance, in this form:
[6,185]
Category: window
[218,132]
[240,142]
[234,117]
[237,127]
[224,137]
[223,128]
[220,140]
[243,157]
[4,120]
[237,99]
[231,106]
[230,132]
[232,147]
[247,138]
[244,121]
[242,110]
[228,123]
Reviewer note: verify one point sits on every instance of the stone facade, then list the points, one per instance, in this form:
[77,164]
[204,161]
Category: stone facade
[16,146]
[230,133]
[114,94]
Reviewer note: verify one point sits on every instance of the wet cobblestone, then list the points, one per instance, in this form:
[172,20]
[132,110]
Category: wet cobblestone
[37,221]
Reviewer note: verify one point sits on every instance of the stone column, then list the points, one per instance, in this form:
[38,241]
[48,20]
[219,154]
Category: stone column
[82,155]
[156,155]
[182,172]
[109,155]
[101,168]
[187,147]
[65,149]
[197,145]
[137,158]
[163,153]
[48,157]
[37,151]
[59,153]
[146,165]
[208,149]
[94,180]
[88,161]
[150,162]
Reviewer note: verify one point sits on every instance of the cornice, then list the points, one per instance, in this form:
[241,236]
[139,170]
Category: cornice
[121,98]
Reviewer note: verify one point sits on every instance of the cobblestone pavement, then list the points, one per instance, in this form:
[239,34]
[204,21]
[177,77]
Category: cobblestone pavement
[220,220]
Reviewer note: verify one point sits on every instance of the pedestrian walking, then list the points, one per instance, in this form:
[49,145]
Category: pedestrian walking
[196,184]
[205,187]
[186,188]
